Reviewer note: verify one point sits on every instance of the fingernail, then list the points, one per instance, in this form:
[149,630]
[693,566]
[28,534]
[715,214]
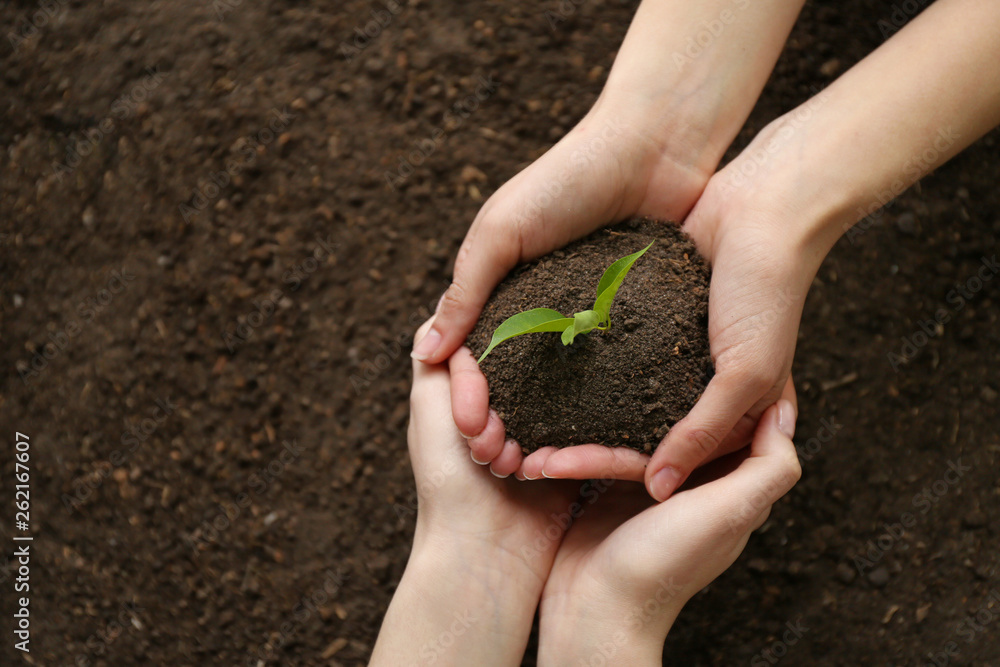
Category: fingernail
[472,455]
[786,417]
[427,345]
[664,483]
[530,479]
[520,477]
[499,476]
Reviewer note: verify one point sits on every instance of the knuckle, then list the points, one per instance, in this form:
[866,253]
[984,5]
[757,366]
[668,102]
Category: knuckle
[704,442]
[792,471]
[454,297]
[761,519]
[755,380]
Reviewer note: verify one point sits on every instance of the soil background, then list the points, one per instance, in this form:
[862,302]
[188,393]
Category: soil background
[219,314]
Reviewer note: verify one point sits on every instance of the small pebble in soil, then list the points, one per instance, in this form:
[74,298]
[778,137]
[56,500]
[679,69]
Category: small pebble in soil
[907,223]
[878,577]
[974,519]
[846,574]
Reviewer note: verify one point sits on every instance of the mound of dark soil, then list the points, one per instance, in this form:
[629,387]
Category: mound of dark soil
[625,386]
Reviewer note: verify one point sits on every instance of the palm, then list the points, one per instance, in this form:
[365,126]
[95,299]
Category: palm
[595,543]
[524,511]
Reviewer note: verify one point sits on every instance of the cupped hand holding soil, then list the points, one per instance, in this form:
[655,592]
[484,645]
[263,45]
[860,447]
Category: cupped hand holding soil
[622,387]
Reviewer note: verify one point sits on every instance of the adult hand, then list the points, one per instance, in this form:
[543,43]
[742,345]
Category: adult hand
[628,565]
[482,550]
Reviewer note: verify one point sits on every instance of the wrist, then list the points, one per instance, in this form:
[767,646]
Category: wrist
[578,628]
[483,569]
[501,559]
[454,605]
[684,129]
[688,69]
[597,636]
[782,182]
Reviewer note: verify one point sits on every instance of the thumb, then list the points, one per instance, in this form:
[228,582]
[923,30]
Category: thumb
[489,251]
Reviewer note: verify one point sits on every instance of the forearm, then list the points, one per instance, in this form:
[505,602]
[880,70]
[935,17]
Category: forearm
[696,69]
[456,608]
[925,95]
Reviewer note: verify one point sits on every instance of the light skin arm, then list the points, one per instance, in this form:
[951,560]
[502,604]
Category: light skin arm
[922,97]
[696,69]
[928,93]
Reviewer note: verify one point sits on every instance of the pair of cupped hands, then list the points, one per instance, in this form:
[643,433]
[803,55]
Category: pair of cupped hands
[608,168]
[610,549]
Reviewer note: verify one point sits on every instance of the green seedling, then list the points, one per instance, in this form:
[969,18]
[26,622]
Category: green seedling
[539,320]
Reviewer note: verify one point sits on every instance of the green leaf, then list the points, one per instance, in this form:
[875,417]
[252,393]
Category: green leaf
[585,321]
[530,321]
[611,281]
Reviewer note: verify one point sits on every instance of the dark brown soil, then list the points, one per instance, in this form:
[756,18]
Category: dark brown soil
[874,440]
[625,386]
